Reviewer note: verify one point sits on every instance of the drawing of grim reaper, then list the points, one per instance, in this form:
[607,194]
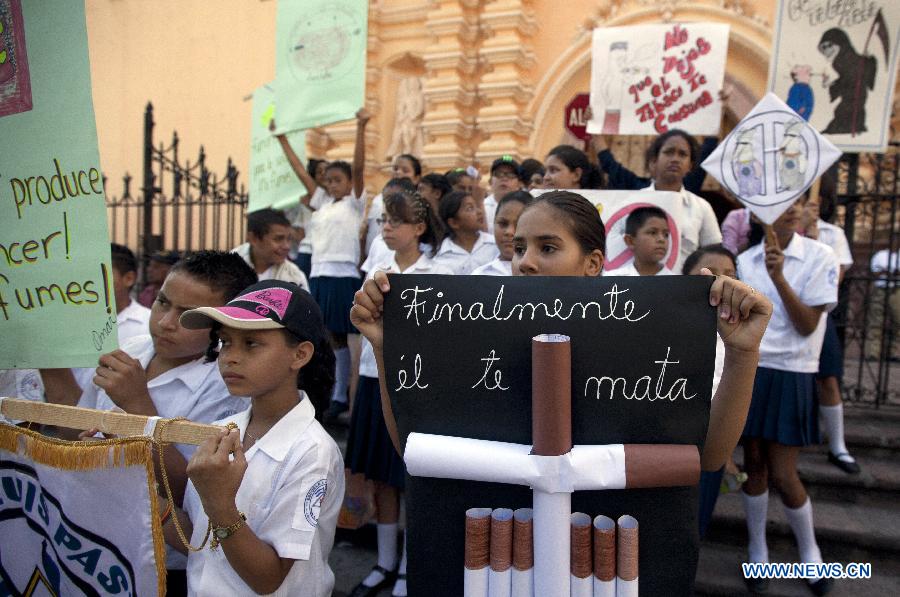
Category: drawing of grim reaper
[855,78]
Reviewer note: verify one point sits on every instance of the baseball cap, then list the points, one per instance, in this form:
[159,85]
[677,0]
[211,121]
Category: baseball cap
[169,257]
[267,305]
[505,160]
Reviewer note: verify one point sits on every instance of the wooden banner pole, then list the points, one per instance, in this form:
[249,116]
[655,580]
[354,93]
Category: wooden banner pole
[109,422]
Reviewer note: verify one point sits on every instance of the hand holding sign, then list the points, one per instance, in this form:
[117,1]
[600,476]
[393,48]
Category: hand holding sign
[368,307]
[743,312]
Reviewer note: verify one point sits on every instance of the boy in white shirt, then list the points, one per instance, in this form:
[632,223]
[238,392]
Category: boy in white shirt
[647,235]
[504,180]
[268,246]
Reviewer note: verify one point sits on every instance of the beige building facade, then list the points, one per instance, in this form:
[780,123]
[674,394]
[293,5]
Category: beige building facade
[464,80]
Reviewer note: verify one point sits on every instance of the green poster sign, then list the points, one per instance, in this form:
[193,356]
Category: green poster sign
[273,182]
[320,61]
[57,307]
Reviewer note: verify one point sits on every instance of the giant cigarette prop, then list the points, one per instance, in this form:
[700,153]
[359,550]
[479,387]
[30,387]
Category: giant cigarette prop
[604,557]
[478,552]
[551,466]
[107,421]
[500,577]
[523,553]
[627,557]
[582,565]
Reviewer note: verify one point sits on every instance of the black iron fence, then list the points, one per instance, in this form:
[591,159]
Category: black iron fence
[181,205]
[869,308]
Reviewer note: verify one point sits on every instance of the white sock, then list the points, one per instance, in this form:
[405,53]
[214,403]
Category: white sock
[801,521]
[833,418]
[757,508]
[387,553]
[400,585]
[341,375]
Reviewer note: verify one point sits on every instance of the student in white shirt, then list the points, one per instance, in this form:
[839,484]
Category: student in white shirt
[800,275]
[466,245]
[269,235]
[647,236]
[504,180]
[669,159]
[406,167]
[831,359]
[378,250]
[433,187]
[567,167]
[408,223]
[269,512]
[334,277]
[131,316]
[164,374]
[508,211]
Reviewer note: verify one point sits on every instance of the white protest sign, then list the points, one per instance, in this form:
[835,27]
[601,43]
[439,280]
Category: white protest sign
[835,64]
[614,208]
[770,158]
[646,79]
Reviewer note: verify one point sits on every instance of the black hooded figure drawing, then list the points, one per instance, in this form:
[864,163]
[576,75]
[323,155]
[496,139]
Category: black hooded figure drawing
[855,78]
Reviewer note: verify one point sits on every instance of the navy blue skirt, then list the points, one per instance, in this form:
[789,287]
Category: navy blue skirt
[304,262]
[369,447]
[335,298]
[831,359]
[784,408]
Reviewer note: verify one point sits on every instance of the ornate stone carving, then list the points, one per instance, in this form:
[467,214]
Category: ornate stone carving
[407,136]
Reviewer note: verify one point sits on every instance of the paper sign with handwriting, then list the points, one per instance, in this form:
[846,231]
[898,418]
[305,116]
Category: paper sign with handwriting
[57,307]
[646,79]
[458,363]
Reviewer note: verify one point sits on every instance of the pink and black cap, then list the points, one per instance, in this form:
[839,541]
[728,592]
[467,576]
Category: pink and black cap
[268,305]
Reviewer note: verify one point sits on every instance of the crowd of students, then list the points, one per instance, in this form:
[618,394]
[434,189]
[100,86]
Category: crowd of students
[291,320]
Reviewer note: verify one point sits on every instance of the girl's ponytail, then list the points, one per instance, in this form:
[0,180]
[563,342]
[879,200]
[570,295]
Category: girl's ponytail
[316,378]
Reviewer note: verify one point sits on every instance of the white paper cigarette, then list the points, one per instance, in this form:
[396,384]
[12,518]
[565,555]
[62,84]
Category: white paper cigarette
[500,578]
[604,588]
[582,587]
[500,583]
[627,556]
[604,547]
[626,588]
[523,553]
[476,570]
[522,583]
[475,582]
[551,542]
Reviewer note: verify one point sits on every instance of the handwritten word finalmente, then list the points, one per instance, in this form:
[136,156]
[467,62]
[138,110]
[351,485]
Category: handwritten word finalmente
[641,389]
[418,300]
[403,376]
[842,13]
[498,375]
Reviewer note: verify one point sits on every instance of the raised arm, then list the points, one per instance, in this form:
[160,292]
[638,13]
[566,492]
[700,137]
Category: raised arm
[296,164]
[359,152]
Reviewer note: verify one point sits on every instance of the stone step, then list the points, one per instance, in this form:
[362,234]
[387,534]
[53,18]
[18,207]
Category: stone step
[845,532]
[719,574]
[878,484]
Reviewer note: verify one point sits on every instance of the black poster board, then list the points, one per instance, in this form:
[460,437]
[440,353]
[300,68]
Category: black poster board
[442,333]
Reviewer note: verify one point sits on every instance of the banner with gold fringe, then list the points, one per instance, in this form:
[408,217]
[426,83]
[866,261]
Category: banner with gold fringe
[78,518]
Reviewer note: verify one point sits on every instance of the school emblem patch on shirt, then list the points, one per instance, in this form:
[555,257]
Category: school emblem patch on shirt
[313,502]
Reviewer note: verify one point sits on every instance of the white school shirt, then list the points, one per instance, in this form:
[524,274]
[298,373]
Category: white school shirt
[497,267]
[490,212]
[834,237]
[460,262]
[885,261]
[811,269]
[630,270]
[424,265]
[699,226]
[132,321]
[379,254]
[373,230]
[286,271]
[194,390]
[291,494]
[304,215]
[334,233]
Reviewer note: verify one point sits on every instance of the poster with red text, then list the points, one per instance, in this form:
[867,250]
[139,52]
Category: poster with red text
[646,79]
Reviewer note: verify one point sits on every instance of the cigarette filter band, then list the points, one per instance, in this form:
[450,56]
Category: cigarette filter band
[551,394]
[477,552]
[627,556]
[500,577]
[661,465]
[522,581]
[580,545]
[604,556]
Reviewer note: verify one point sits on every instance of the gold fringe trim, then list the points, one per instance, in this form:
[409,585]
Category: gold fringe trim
[159,539]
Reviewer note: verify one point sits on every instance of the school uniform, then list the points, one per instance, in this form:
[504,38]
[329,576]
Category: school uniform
[286,271]
[461,262]
[369,447]
[831,359]
[376,208]
[630,270]
[291,494]
[334,276]
[379,254]
[497,267]
[490,212]
[783,408]
[132,321]
[301,218]
[698,225]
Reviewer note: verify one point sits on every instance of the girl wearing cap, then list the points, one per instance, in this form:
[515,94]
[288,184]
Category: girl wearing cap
[263,521]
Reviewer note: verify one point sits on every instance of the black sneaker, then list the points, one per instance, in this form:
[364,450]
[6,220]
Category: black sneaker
[851,467]
[335,409]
